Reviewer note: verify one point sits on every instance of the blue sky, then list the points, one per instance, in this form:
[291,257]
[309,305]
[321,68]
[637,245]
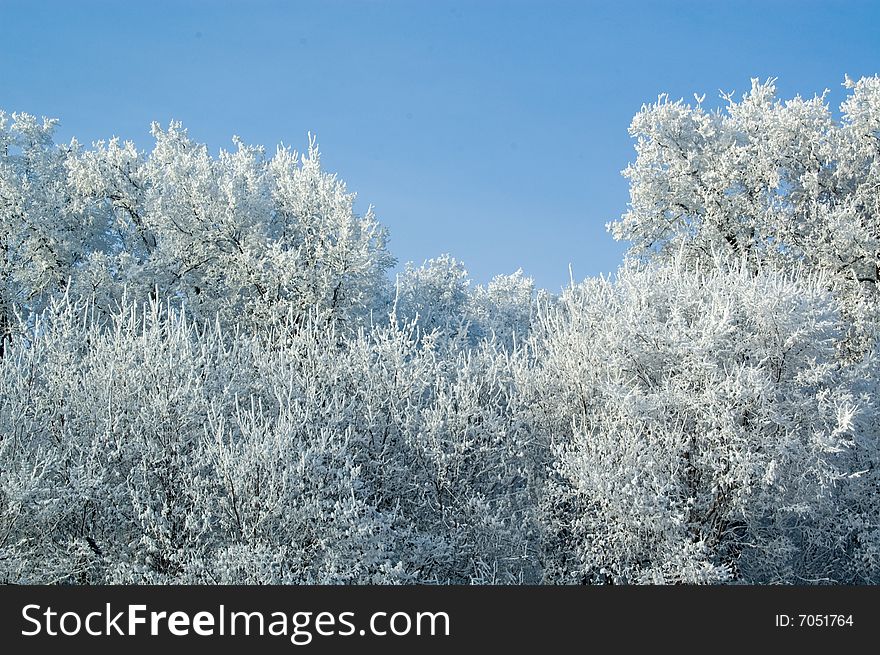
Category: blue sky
[494,131]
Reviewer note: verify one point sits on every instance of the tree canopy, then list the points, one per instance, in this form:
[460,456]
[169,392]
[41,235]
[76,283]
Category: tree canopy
[207,374]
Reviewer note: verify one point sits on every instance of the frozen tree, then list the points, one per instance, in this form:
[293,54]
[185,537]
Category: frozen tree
[702,430]
[338,259]
[44,232]
[504,308]
[249,238]
[435,295]
[767,182]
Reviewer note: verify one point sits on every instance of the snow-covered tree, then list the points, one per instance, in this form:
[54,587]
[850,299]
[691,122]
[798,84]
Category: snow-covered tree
[711,181]
[702,429]
[249,238]
[763,181]
[504,308]
[44,232]
[434,294]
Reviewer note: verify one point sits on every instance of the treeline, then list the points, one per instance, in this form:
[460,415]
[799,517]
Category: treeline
[208,377]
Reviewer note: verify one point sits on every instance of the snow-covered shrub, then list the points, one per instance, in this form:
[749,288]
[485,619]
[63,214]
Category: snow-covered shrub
[142,448]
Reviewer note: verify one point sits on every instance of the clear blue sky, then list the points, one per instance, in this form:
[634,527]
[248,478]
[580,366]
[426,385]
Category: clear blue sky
[495,131]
